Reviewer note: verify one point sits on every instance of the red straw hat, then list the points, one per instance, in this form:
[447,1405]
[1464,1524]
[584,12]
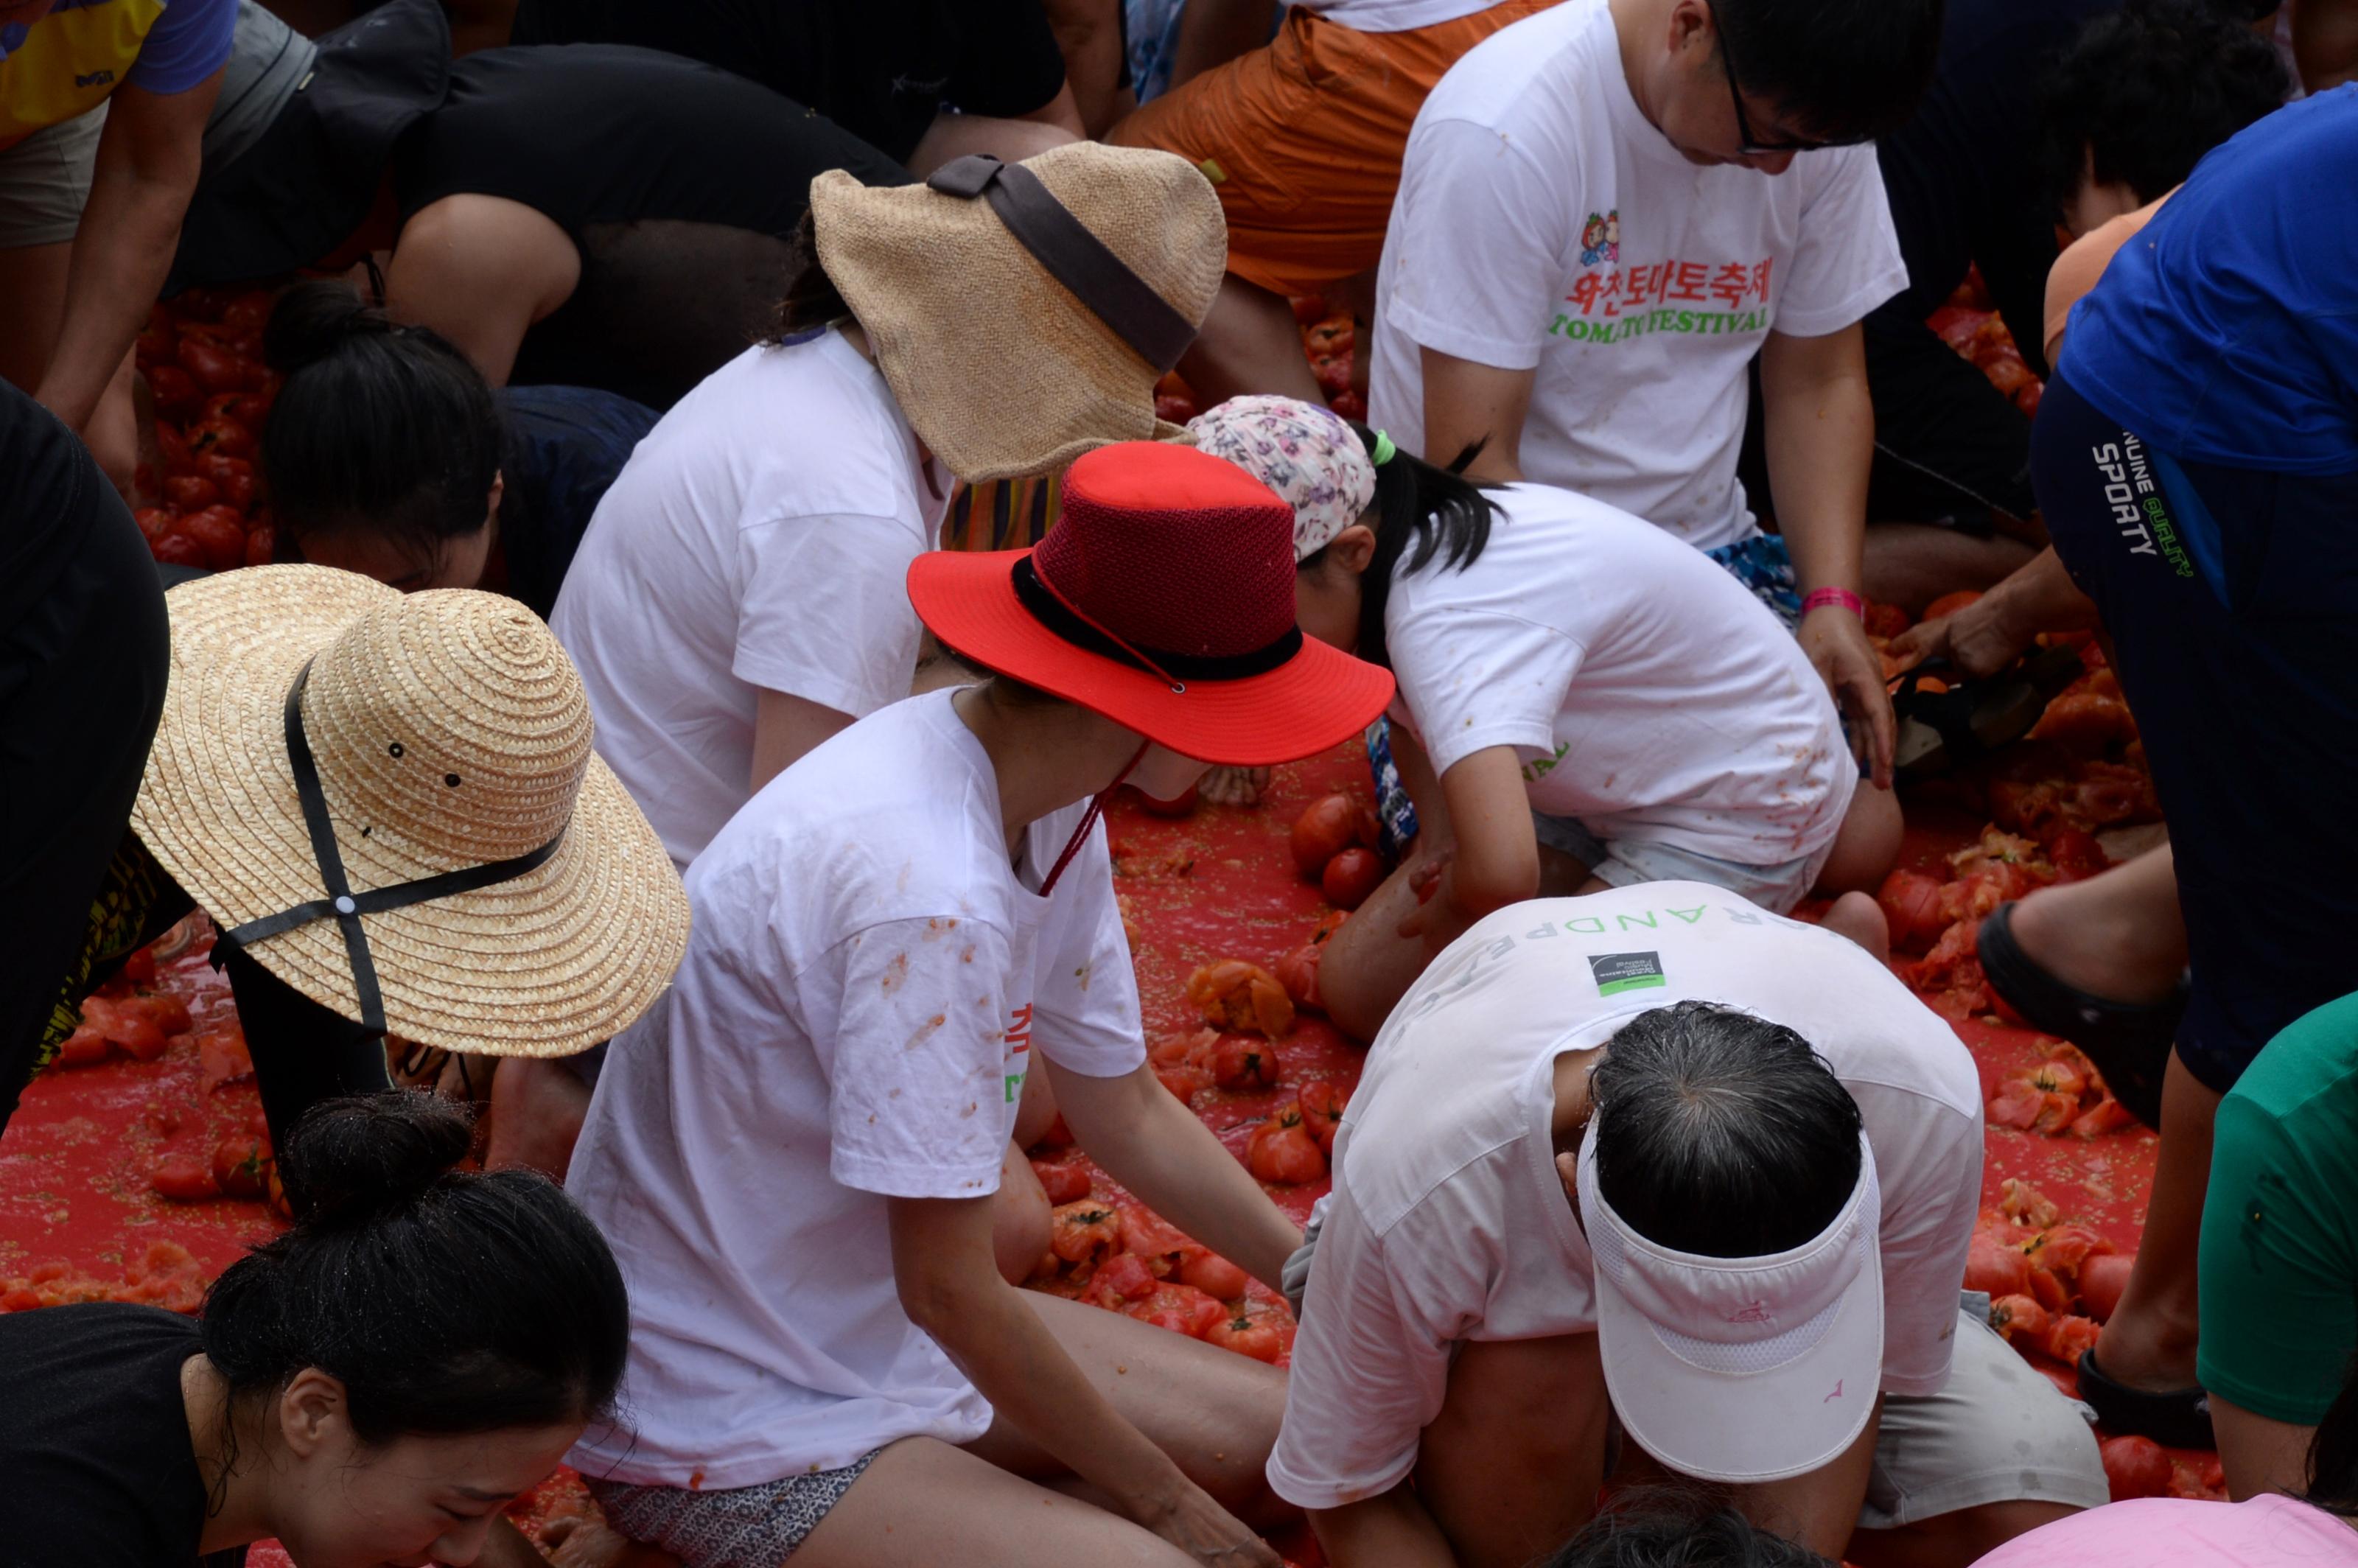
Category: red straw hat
[1163,599]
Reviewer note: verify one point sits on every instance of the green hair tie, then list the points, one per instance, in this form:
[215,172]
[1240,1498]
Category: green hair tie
[1384,449]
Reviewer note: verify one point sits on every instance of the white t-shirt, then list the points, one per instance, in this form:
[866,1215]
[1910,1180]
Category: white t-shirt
[1393,15]
[1449,1222]
[1648,692]
[760,537]
[865,979]
[1508,246]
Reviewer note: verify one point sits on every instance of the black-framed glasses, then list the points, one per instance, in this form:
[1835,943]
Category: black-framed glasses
[1746,143]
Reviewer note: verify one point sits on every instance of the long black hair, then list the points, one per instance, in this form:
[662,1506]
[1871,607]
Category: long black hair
[2334,1454]
[445,1300]
[811,301]
[1421,511]
[379,428]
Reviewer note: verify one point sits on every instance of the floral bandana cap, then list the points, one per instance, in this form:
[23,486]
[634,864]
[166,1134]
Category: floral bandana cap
[1305,453]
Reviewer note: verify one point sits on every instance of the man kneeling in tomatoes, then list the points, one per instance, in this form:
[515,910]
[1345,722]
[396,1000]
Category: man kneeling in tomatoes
[1655,1181]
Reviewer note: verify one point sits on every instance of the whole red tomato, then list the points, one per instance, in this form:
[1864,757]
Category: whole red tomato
[1214,1275]
[220,532]
[1309,309]
[1246,1337]
[191,492]
[1351,876]
[1281,1151]
[261,548]
[230,474]
[1325,829]
[2101,1280]
[1348,405]
[2135,1467]
[154,522]
[241,1166]
[1322,1102]
[1334,335]
[247,312]
[175,391]
[173,447]
[1911,902]
[177,549]
[214,367]
[248,408]
[1241,1062]
[222,435]
[1333,371]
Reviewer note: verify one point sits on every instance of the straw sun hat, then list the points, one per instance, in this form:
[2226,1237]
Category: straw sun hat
[447,738]
[1018,334]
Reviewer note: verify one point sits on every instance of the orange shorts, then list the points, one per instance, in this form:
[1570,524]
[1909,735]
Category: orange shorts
[1303,139]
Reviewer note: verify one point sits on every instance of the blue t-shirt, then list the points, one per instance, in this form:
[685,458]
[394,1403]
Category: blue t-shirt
[2227,332]
[565,444]
[64,64]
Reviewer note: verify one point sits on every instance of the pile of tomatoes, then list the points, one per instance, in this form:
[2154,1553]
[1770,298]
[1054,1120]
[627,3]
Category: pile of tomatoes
[1338,844]
[201,358]
[165,1275]
[1969,323]
[1121,1256]
[1330,337]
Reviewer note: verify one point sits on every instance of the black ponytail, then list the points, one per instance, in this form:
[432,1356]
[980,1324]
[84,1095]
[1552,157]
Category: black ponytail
[445,1300]
[2334,1454]
[379,428]
[1421,512]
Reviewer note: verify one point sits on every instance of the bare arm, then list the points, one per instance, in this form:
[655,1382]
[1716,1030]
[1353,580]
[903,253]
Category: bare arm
[1392,1531]
[2325,42]
[1821,439]
[1465,402]
[1494,859]
[1154,1146]
[148,159]
[1089,32]
[481,270]
[949,1286]
[1213,32]
[1989,633]
[783,728]
[1819,1509]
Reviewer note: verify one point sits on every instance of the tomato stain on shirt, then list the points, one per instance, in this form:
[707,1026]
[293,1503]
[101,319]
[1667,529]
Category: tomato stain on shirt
[922,1032]
[895,972]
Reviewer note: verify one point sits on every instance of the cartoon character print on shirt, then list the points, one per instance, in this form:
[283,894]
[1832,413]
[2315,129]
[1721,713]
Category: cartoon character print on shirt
[1600,238]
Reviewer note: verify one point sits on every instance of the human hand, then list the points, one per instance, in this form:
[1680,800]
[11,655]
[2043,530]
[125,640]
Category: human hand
[1233,787]
[1835,640]
[1979,640]
[1207,1533]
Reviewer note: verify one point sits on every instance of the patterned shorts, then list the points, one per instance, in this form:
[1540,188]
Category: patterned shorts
[746,1527]
[1762,564]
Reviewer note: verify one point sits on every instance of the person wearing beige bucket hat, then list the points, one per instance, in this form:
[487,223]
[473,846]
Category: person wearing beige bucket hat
[1654,1159]
[389,806]
[888,940]
[738,596]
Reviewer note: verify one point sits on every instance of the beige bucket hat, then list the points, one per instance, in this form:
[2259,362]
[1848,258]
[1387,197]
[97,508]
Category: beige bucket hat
[1013,344]
[389,801]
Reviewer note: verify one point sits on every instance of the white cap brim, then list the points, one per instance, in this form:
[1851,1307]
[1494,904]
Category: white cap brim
[1741,1370]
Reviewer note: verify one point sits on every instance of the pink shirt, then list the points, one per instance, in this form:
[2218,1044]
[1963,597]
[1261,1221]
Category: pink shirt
[2268,1531]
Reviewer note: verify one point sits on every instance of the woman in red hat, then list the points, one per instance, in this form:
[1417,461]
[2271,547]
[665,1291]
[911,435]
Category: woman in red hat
[796,1157]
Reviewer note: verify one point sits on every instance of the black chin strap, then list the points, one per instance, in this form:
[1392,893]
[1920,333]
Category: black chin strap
[343,905]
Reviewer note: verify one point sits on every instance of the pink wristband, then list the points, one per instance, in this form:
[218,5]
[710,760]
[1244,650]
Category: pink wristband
[1842,596]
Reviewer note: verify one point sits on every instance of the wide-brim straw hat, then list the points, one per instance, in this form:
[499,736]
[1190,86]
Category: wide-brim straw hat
[1000,369]
[447,729]
[1163,599]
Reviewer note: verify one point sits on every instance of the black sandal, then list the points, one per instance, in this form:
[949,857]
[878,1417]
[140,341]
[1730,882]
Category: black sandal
[1940,731]
[2178,1419]
[2129,1042]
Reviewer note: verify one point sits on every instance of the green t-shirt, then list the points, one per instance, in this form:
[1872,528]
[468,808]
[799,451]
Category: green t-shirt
[2281,1225]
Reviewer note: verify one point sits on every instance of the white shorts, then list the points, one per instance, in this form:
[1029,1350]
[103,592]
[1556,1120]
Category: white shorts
[44,180]
[1626,862]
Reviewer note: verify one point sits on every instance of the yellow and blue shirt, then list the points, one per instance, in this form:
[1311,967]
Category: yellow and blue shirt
[65,64]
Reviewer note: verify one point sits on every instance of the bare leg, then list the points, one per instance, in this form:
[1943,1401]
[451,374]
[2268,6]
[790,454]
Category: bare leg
[1913,564]
[952,136]
[2118,935]
[537,1109]
[1859,917]
[1248,344]
[2149,1341]
[1368,963]
[924,1501]
[1867,845]
[1510,1467]
[1215,1413]
[1951,1539]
